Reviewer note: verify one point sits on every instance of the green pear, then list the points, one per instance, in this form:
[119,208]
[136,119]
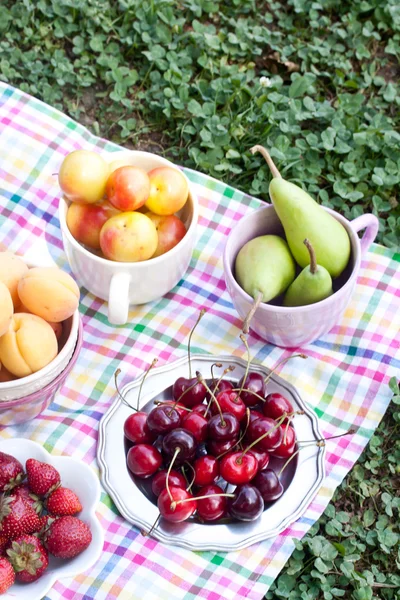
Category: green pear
[302,218]
[312,285]
[264,267]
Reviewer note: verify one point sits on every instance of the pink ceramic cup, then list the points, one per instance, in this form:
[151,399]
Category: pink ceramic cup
[301,325]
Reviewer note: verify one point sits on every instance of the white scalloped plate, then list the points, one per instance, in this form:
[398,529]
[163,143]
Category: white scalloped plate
[80,478]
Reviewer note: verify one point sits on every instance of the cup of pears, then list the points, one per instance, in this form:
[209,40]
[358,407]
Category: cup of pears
[291,266]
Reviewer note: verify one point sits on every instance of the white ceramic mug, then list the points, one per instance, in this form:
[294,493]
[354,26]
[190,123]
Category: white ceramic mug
[128,283]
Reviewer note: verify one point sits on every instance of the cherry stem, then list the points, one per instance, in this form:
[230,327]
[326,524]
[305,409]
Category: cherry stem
[266,155]
[190,339]
[117,372]
[248,362]
[194,476]
[171,404]
[250,392]
[145,533]
[286,428]
[320,443]
[264,435]
[177,450]
[282,362]
[218,365]
[185,392]
[313,258]
[241,437]
[201,380]
[227,370]
[154,362]
[250,314]
[203,497]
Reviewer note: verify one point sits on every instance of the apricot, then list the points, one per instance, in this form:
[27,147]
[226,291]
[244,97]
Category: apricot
[6,308]
[57,328]
[29,345]
[5,375]
[86,220]
[12,268]
[49,293]
[128,237]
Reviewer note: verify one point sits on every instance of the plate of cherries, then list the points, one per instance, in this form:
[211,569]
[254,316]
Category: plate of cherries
[211,453]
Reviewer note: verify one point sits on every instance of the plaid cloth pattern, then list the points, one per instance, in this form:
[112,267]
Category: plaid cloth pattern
[345,377]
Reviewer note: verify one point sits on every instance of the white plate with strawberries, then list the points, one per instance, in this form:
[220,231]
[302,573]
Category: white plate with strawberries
[70,537]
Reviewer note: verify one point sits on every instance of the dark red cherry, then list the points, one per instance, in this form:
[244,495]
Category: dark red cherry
[143,460]
[182,410]
[175,478]
[216,448]
[223,428]
[229,402]
[247,505]
[171,509]
[265,431]
[182,439]
[288,443]
[276,405]
[163,419]
[262,458]
[137,430]
[191,397]
[255,414]
[268,484]
[238,468]
[206,470]
[254,382]
[224,386]
[213,507]
[201,450]
[197,425]
[202,409]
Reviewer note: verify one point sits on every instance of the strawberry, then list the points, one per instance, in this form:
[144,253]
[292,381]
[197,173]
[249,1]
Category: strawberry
[23,491]
[3,543]
[42,478]
[11,472]
[28,557]
[16,517]
[67,537]
[62,502]
[7,575]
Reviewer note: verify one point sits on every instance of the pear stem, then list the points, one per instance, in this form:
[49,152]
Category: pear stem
[250,314]
[268,159]
[313,258]
[203,310]
[248,362]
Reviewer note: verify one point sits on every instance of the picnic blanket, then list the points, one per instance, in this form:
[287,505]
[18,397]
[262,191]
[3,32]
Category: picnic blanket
[345,378]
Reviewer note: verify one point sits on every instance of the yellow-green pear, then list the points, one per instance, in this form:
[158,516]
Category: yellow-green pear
[264,268]
[302,217]
[313,284]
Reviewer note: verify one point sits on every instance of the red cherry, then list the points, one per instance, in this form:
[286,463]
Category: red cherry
[288,443]
[254,383]
[223,428]
[255,414]
[262,458]
[276,405]
[176,513]
[206,470]
[224,386]
[163,419]
[180,408]
[230,402]
[197,425]
[265,431]
[238,468]
[190,398]
[143,460]
[159,481]
[202,409]
[216,447]
[136,429]
[214,507]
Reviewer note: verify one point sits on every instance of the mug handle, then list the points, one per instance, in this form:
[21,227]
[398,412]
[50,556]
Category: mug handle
[370,223]
[118,298]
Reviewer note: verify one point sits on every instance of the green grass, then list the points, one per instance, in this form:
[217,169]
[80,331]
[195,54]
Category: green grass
[184,79]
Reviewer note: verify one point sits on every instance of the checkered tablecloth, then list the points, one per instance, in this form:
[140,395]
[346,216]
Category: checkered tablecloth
[345,377]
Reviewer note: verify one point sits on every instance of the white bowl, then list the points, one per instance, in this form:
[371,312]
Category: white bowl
[19,388]
[80,478]
[129,283]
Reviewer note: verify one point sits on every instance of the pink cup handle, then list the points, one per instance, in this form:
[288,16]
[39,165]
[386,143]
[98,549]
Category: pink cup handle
[371,225]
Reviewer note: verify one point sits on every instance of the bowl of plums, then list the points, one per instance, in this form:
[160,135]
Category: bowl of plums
[211,452]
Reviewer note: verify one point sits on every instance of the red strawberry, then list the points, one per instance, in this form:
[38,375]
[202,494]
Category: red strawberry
[23,491]
[3,543]
[62,502]
[11,472]
[42,477]
[28,557]
[17,517]
[7,575]
[67,537]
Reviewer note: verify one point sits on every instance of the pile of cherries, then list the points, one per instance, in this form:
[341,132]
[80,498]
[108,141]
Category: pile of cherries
[207,449]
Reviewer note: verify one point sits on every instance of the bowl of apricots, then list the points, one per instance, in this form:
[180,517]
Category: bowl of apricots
[40,330]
